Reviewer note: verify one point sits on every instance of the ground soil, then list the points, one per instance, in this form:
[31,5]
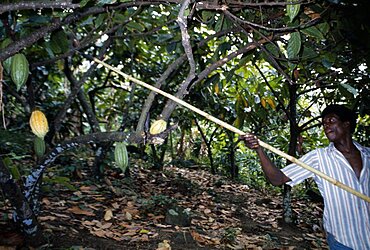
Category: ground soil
[117,212]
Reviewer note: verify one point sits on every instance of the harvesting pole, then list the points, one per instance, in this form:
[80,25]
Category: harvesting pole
[233,129]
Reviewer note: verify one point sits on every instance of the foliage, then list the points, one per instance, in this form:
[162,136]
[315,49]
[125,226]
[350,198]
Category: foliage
[158,204]
[230,235]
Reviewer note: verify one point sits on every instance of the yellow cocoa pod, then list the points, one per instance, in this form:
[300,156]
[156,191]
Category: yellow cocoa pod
[39,123]
[158,127]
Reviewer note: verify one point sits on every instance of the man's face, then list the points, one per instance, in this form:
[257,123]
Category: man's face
[334,128]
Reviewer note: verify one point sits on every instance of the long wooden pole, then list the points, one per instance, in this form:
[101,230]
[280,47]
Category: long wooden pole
[235,130]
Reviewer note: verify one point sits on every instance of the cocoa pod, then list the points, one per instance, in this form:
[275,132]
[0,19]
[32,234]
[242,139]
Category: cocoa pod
[39,146]
[158,127]
[19,70]
[39,124]
[121,156]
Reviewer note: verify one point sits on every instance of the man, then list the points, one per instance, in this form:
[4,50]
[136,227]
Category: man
[346,217]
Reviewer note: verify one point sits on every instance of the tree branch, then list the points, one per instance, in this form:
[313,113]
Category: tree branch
[93,121]
[171,105]
[149,101]
[57,23]
[213,5]
[16,46]
[57,122]
[181,20]
[37,5]
[285,29]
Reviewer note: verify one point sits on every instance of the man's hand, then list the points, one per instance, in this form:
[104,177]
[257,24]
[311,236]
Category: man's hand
[250,140]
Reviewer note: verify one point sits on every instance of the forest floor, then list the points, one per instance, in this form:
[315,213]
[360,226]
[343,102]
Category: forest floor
[131,213]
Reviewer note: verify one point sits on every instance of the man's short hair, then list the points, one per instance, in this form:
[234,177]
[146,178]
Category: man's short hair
[344,114]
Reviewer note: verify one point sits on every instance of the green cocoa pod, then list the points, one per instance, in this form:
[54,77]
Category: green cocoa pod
[19,70]
[121,156]
[7,62]
[39,146]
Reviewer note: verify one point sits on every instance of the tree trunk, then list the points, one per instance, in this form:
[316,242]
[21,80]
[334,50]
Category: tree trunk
[294,134]
[234,170]
[25,216]
[208,145]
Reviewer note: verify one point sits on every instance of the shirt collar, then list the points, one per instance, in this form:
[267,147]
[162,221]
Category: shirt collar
[364,150]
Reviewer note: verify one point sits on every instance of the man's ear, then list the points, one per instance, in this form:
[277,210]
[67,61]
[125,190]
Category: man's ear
[347,124]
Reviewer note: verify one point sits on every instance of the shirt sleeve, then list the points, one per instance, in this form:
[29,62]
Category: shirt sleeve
[298,174]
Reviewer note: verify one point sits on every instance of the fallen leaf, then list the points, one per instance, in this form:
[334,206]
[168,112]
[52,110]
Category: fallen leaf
[108,215]
[77,210]
[46,201]
[46,218]
[144,231]
[106,225]
[165,245]
[144,237]
[207,211]
[197,237]
[99,233]
[128,216]
[115,205]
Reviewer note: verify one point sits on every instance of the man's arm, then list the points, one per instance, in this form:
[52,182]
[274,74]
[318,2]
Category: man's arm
[273,174]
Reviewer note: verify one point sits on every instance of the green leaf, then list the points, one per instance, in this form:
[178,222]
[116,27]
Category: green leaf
[308,53]
[219,23]
[54,46]
[83,3]
[294,45]
[349,88]
[103,2]
[292,10]
[13,169]
[135,26]
[327,64]
[60,180]
[173,212]
[273,49]
[324,28]
[8,61]
[59,42]
[313,32]
[207,15]
[100,19]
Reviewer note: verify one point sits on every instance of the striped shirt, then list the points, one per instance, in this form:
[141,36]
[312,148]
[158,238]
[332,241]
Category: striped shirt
[346,216]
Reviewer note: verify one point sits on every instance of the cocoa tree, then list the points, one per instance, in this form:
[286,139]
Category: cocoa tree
[256,58]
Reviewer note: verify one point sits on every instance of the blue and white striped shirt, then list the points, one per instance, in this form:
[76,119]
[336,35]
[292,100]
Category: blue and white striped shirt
[346,216]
